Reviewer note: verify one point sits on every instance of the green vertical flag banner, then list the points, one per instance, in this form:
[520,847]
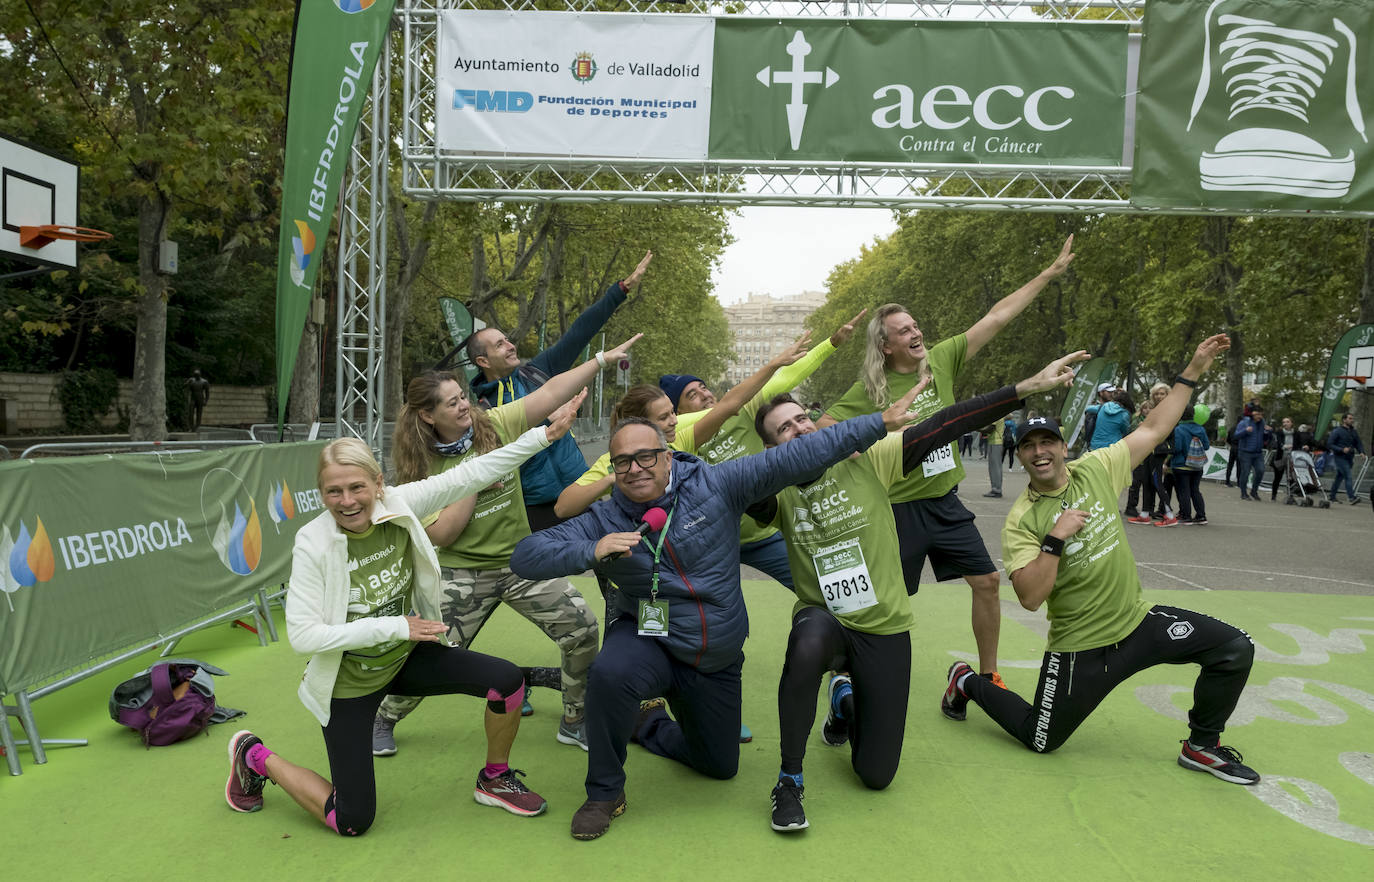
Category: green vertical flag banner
[99,554]
[333,55]
[1360,337]
[928,91]
[460,324]
[1256,104]
[1082,394]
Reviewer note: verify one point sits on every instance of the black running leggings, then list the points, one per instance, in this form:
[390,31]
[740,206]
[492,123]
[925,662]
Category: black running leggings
[1073,684]
[880,668]
[431,669]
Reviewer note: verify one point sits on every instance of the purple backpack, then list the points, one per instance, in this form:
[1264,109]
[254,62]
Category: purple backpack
[168,703]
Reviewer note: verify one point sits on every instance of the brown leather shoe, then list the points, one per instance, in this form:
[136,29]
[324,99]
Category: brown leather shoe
[594,818]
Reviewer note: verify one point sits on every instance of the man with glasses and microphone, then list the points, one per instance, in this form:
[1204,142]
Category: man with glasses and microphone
[679,627]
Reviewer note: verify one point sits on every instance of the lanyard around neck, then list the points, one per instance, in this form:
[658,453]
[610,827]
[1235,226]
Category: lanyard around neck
[658,551]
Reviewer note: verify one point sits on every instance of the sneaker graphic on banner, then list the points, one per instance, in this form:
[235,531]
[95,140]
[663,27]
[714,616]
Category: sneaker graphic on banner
[1273,72]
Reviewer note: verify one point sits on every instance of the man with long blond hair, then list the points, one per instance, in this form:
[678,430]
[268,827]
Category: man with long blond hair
[931,521]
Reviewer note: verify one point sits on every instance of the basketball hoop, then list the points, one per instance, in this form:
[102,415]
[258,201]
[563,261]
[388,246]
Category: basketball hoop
[38,236]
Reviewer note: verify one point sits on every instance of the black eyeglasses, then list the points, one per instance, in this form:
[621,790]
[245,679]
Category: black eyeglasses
[645,459]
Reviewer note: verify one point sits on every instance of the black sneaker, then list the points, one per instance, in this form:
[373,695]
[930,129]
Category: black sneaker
[788,815]
[835,730]
[1224,762]
[954,703]
[243,791]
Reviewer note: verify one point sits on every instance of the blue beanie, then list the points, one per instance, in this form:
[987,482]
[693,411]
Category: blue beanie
[673,384]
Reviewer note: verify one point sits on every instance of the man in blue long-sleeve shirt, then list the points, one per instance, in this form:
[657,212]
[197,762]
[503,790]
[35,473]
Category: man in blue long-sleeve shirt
[1344,443]
[680,626]
[505,378]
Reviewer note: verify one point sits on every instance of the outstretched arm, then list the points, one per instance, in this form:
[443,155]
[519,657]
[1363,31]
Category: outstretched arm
[1168,412]
[561,387]
[560,356]
[745,391]
[1009,307]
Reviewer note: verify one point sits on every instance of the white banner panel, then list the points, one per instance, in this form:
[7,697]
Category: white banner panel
[583,84]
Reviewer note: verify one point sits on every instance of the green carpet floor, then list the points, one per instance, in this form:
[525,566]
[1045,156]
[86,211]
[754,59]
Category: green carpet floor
[968,802]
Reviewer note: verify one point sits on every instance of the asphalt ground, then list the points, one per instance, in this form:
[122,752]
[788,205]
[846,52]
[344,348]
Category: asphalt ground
[1245,546]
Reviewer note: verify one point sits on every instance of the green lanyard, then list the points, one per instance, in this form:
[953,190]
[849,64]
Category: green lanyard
[662,537]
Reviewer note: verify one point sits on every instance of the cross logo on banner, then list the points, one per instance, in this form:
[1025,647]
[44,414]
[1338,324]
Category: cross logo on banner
[797,77]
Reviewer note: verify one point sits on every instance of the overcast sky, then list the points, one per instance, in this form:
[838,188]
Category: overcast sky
[785,251]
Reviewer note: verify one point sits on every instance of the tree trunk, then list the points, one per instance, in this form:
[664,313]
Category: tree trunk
[413,256]
[303,405]
[148,414]
[1360,404]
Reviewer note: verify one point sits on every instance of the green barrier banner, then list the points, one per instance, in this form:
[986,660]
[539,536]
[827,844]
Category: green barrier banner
[99,554]
[1353,356]
[1253,104]
[930,91]
[1082,394]
[334,52]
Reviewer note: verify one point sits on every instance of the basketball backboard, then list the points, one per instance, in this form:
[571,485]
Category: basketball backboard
[36,188]
[1359,372]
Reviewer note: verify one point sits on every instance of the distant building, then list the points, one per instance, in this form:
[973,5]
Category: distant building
[763,325]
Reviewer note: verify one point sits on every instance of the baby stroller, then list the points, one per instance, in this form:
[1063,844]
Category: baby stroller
[1303,482]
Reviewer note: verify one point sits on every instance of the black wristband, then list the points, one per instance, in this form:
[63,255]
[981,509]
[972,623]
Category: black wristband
[1191,384]
[1052,545]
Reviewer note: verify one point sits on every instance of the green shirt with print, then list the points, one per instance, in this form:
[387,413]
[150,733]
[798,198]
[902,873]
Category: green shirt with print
[1097,599]
[380,583]
[942,471]
[841,536]
[498,522]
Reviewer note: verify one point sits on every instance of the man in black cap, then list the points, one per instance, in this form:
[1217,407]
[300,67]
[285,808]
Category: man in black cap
[1065,544]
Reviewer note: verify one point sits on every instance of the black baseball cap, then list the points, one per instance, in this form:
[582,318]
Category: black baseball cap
[1038,424]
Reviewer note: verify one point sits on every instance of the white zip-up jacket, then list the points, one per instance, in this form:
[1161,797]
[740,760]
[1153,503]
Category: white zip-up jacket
[317,599]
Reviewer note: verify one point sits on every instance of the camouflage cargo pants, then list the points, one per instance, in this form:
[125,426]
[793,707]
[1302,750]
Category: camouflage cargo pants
[555,606]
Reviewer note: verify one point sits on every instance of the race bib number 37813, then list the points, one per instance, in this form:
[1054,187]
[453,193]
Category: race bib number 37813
[846,586]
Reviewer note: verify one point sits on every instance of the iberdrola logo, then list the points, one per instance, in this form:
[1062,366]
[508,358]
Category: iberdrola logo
[26,560]
[583,67]
[302,251]
[231,520]
[352,6]
[280,505]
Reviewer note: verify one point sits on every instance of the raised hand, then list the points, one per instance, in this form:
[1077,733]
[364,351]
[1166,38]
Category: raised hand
[1057,373]
[622,350]
[1061,262]
[1206,353]
[633,279]
[792,353]
[561,420]
[846,330]
[897,416]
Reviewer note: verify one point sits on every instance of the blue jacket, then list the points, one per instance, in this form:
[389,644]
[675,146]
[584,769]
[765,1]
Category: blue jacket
[699,567]
[1252,441]
[1343,437]
[1113,422]
[1184,433]
[545,475]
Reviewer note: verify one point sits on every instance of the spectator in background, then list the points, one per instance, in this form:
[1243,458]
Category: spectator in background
[1140,475]
[1009,449]
[994,437]
[1286,439]
[1113,419]
[1189,462]
[1343,443]
[199,389]
[1252,436]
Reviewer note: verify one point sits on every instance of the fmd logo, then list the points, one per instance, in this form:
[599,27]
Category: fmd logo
[797,77]
[500,101]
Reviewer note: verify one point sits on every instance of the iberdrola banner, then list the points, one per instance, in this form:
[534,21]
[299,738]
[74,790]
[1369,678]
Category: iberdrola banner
[686,87]
[156,543]
[1252,104]
[1352,357]
[334,52]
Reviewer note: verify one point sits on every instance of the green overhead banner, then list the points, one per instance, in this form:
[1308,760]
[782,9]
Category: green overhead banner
[1082,394]
[930,91]
[334,52]
[100,553]
[1352,357]
[1255,104]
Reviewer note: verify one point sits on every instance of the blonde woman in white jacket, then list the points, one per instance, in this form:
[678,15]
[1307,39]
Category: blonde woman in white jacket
[364,604]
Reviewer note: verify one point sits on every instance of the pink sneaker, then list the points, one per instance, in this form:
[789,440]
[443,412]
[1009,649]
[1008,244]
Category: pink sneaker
[508,792]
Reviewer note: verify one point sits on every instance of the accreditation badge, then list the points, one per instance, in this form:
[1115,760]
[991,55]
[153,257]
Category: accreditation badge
[653,618]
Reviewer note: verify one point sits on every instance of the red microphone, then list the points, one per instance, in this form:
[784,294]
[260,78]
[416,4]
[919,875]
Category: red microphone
[650,522]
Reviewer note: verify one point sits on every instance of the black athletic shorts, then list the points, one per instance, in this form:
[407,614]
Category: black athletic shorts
[940,529]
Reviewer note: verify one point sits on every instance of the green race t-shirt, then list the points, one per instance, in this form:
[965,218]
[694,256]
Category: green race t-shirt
[942,471]
[1096,600]
[842,542]
[499,521]
[380,583]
